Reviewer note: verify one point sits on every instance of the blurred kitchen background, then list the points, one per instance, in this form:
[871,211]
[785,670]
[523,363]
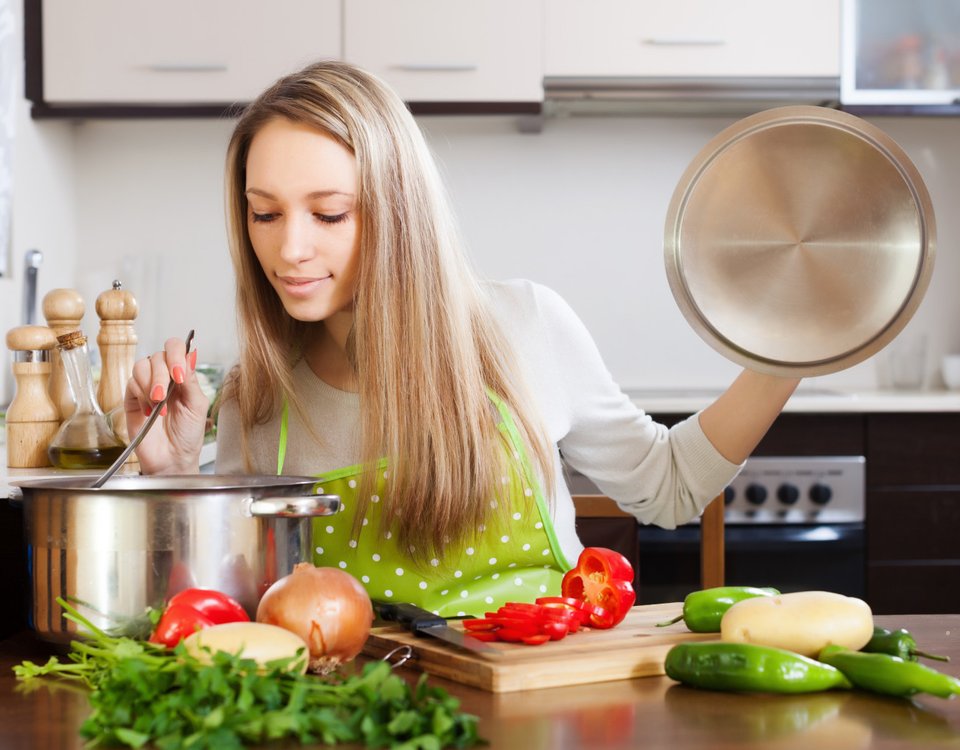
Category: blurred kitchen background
[570,195]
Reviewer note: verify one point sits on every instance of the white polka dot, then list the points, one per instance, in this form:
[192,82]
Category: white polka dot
[412,548]
[387,534]
[504,539]
[365,579]
[319,550]
[436,611]
[461,614]
[386,474]
[493,503]
[464,594]
[342,508]
[512,565]
[352,543]
[399,571]
[526,548]
[495,576]
[342,564]
[375,499]
[543,589]
[365,522]
[545,552]
[444,592]
[528,492]
[518,581]
[516,455]
[469,550]
[434,562]
[422,585]
[481,528]
[457,573]
[477,578]
[376,557]
[516,516]
[329,529]
[488,599]
[388,592]
[352,484]
[492,561]
[504,480]
[538,525]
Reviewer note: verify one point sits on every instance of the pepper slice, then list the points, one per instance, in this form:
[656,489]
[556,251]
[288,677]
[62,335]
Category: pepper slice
[602,578]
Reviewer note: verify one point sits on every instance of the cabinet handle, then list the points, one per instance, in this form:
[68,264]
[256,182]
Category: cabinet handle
[436,67]
[682,42]
[187,68]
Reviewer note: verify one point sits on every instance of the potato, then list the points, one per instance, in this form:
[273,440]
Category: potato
[803,622]
[253,640]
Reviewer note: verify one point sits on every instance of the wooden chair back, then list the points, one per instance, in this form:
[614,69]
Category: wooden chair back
[711,532]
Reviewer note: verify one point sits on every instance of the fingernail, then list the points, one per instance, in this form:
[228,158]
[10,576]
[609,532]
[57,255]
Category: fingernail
[192,359]
[157,393]
[177,374]
[147,410]
[163,411]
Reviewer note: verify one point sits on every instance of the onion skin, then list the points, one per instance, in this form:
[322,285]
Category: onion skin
[327,607]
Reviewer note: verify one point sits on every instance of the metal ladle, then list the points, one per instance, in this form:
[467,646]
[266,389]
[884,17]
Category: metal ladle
[144,429]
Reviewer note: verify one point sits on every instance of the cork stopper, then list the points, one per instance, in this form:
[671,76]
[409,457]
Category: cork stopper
[62,304]
[30,338]
[71,340]
[116,304]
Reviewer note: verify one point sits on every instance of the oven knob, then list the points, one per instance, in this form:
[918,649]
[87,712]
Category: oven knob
[788,494]
[728,495]
[820,493]
[756,494]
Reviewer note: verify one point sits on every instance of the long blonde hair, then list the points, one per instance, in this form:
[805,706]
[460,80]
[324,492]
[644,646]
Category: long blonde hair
[425,345]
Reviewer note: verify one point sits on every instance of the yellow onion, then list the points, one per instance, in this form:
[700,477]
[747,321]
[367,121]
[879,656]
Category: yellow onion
[327,607]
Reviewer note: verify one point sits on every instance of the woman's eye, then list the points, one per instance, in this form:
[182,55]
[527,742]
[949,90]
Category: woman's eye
[332,218]
[257,218]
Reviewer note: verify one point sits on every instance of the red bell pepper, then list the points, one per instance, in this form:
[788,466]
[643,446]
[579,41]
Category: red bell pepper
[603,582]
[194,609]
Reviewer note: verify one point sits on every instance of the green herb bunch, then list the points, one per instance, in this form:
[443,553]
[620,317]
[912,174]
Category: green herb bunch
[142,694]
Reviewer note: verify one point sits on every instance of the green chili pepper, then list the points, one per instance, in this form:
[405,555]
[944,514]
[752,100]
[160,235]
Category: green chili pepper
[890,675]
[747,667]
[898,643]
[703,610]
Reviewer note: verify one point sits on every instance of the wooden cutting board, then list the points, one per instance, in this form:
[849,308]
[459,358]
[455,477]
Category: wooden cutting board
[634,648]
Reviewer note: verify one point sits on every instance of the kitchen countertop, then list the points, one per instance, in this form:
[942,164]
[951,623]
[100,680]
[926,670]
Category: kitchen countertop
[649,712]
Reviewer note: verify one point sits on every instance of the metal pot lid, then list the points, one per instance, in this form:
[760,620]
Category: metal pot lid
[799,241]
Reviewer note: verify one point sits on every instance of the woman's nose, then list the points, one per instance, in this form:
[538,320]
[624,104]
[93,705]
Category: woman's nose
[296,242]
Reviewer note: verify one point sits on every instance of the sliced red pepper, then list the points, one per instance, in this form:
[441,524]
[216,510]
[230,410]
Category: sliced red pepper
[536,640]
[555,630]
[487,636]
[218,607]
[177,622]
[602,578]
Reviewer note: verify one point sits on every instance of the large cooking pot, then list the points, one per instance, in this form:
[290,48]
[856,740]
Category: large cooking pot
[799,241]
[131,544]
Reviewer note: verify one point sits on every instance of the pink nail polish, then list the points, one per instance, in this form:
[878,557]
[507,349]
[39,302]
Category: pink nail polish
[177,373]
[163,411]
[157,393]
[147,411]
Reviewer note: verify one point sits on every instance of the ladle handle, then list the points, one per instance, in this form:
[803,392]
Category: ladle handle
[144,429]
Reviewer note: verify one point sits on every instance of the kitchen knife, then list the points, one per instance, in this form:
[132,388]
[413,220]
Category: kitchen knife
[420,622]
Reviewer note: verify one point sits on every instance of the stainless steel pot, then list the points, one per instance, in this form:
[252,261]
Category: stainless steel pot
[799,241]
[136,541]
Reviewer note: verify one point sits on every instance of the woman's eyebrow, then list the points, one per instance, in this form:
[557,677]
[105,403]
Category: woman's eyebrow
[314,194]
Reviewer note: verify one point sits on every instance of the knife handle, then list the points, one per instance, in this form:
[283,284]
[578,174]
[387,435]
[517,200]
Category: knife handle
[410,616]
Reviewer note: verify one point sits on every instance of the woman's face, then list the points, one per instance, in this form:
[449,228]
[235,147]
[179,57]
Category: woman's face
[301,215]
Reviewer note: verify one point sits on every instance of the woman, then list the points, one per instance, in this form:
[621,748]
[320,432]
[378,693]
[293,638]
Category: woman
[435,405]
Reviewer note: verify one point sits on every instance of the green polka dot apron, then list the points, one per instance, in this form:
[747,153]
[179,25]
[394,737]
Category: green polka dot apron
[519,561]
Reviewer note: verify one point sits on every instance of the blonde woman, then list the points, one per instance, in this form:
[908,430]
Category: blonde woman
[436,405]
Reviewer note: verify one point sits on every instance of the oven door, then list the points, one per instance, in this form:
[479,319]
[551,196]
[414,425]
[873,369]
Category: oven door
[788,557]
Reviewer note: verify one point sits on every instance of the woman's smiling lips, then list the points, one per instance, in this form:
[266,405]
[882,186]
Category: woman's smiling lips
[300,286]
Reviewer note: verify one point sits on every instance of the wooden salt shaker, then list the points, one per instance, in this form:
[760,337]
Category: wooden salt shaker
[32,417]
[63,310]
[117,340]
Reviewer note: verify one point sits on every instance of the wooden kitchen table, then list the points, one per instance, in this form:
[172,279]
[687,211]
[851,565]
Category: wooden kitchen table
[649,712]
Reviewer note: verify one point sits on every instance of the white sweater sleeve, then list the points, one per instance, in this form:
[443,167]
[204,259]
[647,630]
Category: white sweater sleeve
[661,476]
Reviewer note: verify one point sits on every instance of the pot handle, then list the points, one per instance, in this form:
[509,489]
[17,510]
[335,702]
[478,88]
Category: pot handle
[294,507]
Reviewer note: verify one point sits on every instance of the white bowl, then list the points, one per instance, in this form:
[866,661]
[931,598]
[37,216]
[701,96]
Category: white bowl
[950,369]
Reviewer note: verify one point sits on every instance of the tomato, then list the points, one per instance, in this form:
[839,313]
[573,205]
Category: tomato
[603,578]
[177,622]
[216,606]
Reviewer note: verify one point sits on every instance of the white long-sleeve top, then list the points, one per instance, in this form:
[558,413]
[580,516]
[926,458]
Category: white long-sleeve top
[661,476]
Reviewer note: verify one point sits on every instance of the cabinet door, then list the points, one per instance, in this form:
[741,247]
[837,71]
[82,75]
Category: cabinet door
[449,50]
[179,51]
[692,38]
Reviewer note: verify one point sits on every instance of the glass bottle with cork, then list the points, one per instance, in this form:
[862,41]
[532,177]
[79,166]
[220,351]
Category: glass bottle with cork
[85,440]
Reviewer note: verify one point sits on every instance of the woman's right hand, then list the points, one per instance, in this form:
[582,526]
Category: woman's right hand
[172,446]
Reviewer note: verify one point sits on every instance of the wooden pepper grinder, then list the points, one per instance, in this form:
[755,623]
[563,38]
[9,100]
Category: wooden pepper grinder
[32,417]
[117,340]
[63,310]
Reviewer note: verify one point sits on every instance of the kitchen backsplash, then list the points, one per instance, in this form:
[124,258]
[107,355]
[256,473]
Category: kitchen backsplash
[579,207]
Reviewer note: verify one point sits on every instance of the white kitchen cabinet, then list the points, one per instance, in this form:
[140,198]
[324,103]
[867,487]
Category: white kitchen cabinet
[692,38]
[179,51]
[449,50]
